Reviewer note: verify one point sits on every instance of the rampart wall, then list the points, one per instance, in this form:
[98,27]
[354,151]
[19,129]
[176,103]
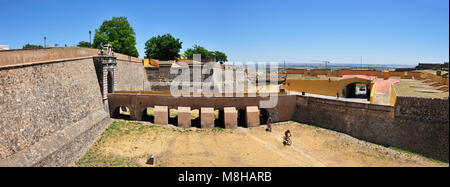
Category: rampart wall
[321,86]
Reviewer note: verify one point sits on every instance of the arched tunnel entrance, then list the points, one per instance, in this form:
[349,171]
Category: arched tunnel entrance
[356,90]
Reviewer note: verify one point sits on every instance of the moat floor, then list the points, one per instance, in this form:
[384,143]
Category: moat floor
[131,143]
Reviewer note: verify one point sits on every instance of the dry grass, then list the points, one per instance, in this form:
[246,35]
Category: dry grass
[126,144]
[409,87]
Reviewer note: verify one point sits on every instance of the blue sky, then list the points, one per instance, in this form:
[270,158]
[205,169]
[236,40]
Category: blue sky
[341,31]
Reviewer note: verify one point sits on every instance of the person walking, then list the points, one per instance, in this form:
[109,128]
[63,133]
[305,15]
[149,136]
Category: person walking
[269,125]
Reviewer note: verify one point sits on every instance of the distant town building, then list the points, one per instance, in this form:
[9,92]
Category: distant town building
[4,47]
[422,66]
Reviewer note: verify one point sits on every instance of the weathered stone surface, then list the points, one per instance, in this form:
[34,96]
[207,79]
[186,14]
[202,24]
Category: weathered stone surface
[184,117]
[161,115]
[252,116]
[230,117]
[207,118]
[64,147]
[131,76]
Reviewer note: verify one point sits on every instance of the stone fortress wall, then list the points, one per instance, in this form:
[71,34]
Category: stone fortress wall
[51,105]
[52,110]
[420,125]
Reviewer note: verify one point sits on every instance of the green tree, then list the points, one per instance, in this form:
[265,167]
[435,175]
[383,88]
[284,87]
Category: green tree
[164,47]
[196,49]
[31,46]
[84,44]
[119,34]
[221,57]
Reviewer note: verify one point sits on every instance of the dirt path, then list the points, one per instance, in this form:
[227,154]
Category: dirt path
[130,144]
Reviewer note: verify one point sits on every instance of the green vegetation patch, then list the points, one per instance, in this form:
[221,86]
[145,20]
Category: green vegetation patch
[118,130]
[411,154]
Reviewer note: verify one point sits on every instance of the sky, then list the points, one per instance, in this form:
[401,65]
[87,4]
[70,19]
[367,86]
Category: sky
[341,31]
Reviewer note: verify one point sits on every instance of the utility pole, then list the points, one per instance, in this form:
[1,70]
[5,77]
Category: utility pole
[45,41]
[90,38]
[361,63]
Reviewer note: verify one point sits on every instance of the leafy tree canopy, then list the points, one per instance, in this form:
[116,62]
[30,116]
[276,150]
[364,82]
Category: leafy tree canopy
[119,34]
[164,47]
[221,57]
[84,44]
[31,46]
[196,49]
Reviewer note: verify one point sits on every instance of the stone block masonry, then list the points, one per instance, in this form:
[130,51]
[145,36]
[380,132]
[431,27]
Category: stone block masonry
[252,116]
[161,115]
[230,117]
[207,118]
[184,117]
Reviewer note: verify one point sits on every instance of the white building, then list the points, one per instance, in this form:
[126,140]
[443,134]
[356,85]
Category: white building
[4,47]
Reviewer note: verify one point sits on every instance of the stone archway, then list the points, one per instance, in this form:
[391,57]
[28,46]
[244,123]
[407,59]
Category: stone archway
[106,68]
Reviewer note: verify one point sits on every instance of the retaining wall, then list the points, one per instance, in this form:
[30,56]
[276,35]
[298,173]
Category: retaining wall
[138,103]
